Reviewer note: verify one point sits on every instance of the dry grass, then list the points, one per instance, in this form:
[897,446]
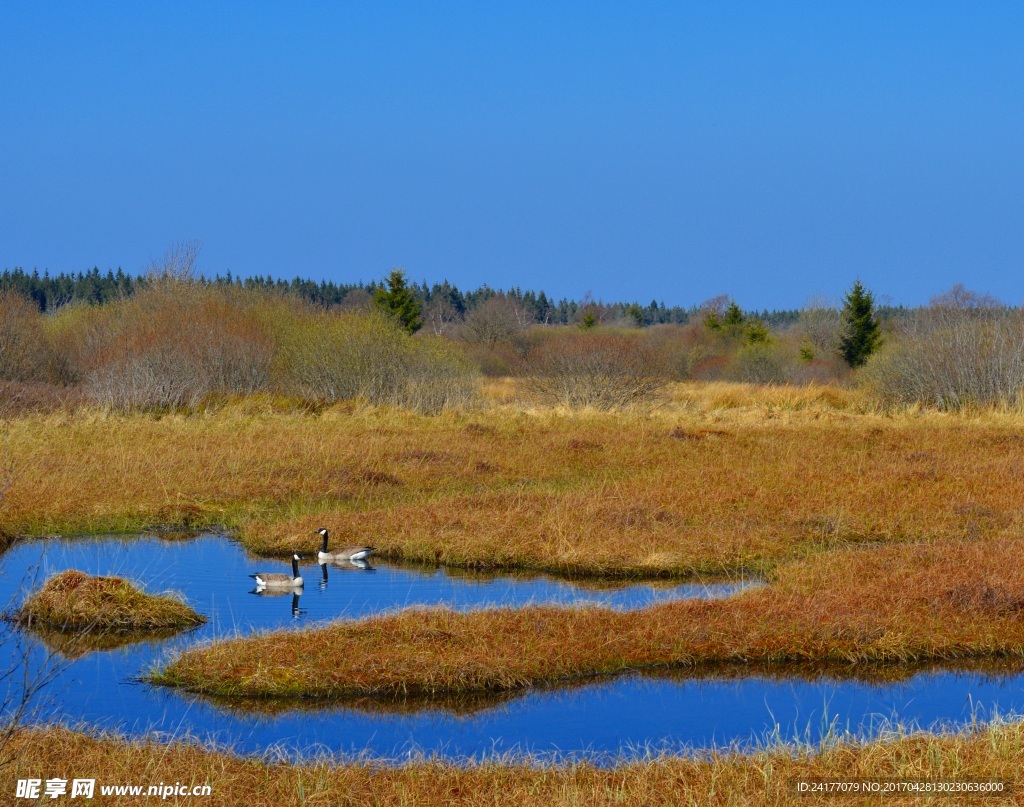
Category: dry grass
[728,477]
[880,605]
[73,602]
[766,777]
[722,477]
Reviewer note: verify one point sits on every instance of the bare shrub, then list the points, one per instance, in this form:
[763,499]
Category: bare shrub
[438,377]
[820,326]
[173,345]
[349,356]
[440,316]
[676,347]
[179,262]
[602,369]
[22,397]
[759,363]
[23,353]
[960,352]
[357,299]
[499,319]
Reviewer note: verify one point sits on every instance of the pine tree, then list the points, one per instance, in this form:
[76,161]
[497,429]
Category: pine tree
[399,301]
[862,334]
[733,316]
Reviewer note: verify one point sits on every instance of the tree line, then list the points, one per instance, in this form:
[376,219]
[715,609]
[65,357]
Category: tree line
[445,299]
[116,340]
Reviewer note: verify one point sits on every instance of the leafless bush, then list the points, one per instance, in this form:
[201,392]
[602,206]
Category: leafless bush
[439,377]
[174,345]
[179,262]
[440,316]
[820,325]
[962,351]
[759,364]
[675,347]
[23,353]
[499,319]
[357,300]
[602,369]
[365,356]
[28,673]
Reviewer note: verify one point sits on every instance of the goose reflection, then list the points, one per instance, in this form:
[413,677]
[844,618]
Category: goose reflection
[343,566]
[269,592]
[352,565]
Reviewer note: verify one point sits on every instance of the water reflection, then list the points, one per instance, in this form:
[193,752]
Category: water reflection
[75,645]
[283,592]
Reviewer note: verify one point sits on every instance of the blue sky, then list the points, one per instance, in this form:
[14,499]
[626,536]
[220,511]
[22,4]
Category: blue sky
[770,151]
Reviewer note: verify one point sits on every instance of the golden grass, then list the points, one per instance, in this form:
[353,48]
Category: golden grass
[724,477]
[721,477]
[73,601]
[767,777]
[879,605]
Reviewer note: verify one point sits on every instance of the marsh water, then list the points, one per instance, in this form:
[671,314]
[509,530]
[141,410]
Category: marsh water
[599,719]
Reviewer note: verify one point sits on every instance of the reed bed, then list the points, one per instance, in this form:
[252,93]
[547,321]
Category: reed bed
[73,602]
[765,777]
[878,605]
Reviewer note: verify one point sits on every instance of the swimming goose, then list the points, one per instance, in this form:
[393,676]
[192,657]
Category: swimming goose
[279,580]
[347,553]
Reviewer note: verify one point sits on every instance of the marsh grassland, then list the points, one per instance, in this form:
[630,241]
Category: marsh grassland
[767,777]
[885,537]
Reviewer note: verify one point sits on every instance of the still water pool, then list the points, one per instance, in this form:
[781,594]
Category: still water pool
[598,719]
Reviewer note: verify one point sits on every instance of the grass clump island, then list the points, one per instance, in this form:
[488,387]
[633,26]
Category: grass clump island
[74,602]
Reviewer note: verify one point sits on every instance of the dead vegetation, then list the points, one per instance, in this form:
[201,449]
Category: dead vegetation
[761,777]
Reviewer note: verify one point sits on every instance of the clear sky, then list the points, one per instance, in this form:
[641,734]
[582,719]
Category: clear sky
[675,150]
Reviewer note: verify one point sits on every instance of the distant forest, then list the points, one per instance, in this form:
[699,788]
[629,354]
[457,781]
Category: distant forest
[50,292]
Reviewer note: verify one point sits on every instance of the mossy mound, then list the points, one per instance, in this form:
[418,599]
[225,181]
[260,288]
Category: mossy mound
[75,601]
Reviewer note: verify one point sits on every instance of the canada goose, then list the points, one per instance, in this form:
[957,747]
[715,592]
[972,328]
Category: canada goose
[279,580]
[346,553]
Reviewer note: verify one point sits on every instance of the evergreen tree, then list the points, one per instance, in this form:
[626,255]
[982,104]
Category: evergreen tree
[399,301]
[733,316]
[862,334]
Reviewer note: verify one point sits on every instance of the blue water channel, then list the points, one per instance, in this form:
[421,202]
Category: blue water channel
[600,719]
